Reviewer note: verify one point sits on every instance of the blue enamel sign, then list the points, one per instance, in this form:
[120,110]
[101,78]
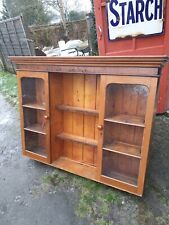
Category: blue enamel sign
[135,17]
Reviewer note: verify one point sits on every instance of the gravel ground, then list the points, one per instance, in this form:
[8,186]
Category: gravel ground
[25,199]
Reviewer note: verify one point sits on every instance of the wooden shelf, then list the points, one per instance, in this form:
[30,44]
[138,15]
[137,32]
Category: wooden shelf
[127,119]
[77,109]
[83,140]
[78,168]
[34,106]
[38,150]
[124,149]
[121,177]
[36,128]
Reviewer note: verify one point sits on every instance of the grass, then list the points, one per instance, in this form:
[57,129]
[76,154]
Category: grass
[8,87]
[95,200]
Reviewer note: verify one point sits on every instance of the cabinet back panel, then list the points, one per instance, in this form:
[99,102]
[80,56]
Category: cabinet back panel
[68,116]
[78,118]
[126,99]
[90,95]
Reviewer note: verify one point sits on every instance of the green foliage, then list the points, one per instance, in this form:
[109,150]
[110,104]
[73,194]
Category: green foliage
[95,200]
[74,15]
[32,11]
[93,32]
[4,12]
[8,87]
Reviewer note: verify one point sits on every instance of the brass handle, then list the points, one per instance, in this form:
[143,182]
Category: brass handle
[100,127]
[46,117]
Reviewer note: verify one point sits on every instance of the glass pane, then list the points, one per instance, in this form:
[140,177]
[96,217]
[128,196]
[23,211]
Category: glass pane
[33,91]
[36,143]
[120,167]
[126,99]
[132,135]
[34,120]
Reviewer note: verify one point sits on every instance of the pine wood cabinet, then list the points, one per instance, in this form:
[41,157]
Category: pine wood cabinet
[91,116]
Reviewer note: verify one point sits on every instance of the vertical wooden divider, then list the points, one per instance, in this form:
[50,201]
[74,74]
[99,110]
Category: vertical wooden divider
[89,121]
[97,118]
[56,117]
[68,116]
[78,118]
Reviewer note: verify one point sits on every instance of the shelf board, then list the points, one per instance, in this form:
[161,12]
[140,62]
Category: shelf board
[127,120]
[120,177]
[36,128]
[34,106]
[78,139]
[37,150]
[75,167]
[124,149]
[77,109]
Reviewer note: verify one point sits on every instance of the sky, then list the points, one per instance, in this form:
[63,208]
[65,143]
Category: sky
[85,5]
[0,5]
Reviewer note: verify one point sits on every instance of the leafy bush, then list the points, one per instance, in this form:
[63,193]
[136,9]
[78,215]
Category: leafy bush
[8,87]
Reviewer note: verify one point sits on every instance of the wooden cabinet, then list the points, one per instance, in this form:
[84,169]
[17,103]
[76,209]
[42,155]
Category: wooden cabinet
[91,116]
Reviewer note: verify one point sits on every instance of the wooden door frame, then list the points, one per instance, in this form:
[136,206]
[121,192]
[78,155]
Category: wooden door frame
[44,77]
[151,84]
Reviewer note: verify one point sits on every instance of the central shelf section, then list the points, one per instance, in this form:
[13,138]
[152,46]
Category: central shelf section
[75,101]
[82,140]
[127,119]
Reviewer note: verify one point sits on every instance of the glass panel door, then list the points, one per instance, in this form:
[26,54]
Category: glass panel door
[35,114]
[124,123]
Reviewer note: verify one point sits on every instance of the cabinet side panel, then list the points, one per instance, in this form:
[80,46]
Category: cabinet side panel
[19,76]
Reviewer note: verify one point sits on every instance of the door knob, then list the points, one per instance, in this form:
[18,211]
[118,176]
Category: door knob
[46,117]
[100,127]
